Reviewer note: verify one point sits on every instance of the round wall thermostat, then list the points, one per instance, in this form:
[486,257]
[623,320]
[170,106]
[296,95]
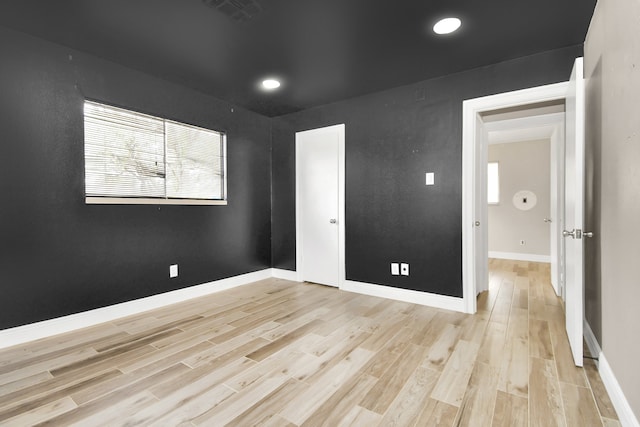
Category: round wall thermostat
[525,200]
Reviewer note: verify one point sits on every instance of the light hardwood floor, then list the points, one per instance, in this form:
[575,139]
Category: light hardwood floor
[278,353]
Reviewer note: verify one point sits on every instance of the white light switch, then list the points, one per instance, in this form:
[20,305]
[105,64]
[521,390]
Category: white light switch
[404,269]
[395,269]
[430,178]
[173,270]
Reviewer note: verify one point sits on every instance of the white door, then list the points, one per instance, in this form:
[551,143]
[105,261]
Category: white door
[320,205]
[574,210]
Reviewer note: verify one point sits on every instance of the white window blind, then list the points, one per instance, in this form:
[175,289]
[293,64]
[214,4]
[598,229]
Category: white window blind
[194,162]
[493,183]
[134,155]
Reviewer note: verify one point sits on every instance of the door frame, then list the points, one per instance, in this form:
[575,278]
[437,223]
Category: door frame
[340,128]
[474,261]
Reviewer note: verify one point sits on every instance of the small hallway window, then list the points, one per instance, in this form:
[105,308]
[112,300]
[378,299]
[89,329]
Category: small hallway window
[493,183]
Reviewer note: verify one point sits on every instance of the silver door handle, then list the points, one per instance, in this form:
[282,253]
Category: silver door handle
[575,234]
[477,223]
[333,221]
[588,234]
[547,220]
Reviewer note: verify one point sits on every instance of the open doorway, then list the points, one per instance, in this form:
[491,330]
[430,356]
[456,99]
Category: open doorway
[474,182]
[570,212]
[524,144]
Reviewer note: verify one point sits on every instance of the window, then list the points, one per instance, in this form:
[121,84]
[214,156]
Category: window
[493,183]
[134,158]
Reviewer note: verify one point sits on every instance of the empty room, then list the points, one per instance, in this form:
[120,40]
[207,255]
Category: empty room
[319,213]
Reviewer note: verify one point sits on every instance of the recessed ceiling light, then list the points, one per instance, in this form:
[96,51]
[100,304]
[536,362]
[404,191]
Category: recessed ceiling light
[447,25]
[270,84]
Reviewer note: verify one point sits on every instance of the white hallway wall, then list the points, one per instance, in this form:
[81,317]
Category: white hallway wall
[523,166]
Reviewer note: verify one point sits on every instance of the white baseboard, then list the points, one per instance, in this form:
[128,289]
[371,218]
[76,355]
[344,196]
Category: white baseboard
[406,295]
[60,325]
[284,274]
[590,339]
[520,257]
[620,402]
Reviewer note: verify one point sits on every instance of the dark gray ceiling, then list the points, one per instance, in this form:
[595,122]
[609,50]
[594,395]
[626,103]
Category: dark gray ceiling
[323,50]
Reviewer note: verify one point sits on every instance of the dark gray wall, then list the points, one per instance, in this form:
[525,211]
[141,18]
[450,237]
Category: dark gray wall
[59,256]
[392,139]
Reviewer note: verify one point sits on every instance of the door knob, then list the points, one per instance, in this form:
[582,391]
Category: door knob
[588,234]
[477,223]
[333,221]
[547,220]
[575,234]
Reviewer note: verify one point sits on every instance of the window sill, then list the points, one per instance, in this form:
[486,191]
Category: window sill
[142,201]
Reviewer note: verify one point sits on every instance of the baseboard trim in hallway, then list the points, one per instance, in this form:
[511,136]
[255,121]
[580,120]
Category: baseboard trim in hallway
[520,256]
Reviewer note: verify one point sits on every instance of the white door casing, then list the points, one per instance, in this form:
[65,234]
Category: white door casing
[320,205]
[474,174]
[481,235]
[574,210]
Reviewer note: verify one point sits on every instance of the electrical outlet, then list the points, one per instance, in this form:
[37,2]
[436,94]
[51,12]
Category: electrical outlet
[404,269]
[395,269]
[173,271]
[522,242]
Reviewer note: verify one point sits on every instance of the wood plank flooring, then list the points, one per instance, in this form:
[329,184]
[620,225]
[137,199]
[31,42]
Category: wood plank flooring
[279,353]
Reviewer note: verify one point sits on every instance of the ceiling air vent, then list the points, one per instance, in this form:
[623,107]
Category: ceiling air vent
[238,10]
